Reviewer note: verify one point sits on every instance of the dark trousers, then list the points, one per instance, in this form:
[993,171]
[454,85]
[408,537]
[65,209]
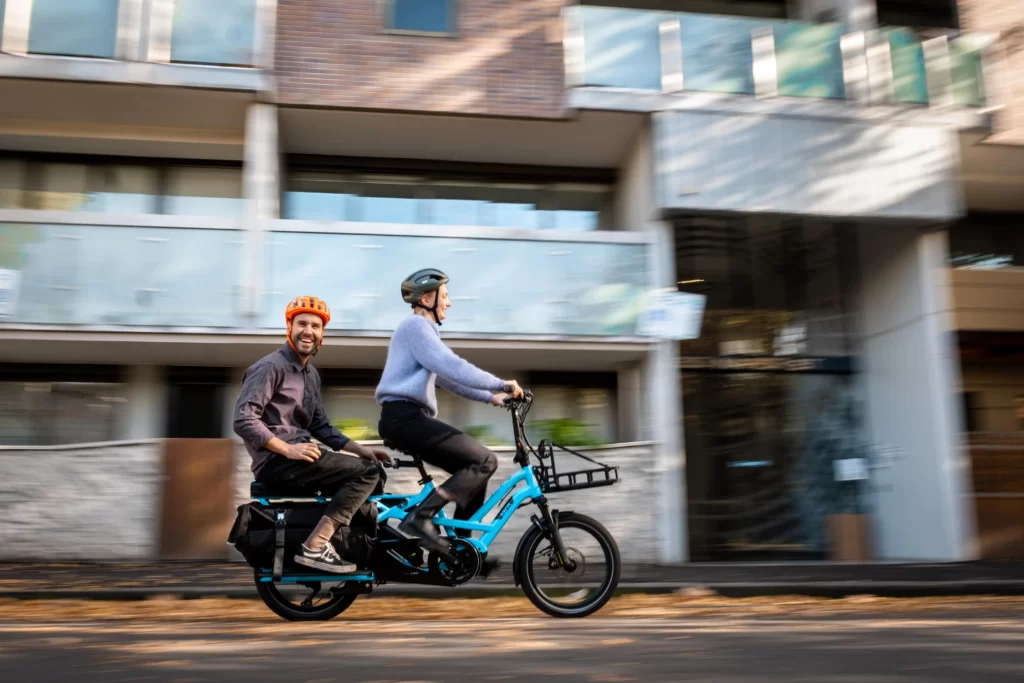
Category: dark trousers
[347,479]
[471,464]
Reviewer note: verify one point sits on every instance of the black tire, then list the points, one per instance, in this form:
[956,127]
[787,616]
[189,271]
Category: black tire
[533,540]
[286,609]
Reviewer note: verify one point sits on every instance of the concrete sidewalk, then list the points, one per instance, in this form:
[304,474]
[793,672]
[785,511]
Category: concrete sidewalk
[195,580]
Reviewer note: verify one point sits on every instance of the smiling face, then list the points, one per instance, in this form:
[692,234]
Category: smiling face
[306,333]
[443,302]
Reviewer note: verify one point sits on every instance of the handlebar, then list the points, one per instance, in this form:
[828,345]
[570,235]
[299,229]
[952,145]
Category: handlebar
[527,398]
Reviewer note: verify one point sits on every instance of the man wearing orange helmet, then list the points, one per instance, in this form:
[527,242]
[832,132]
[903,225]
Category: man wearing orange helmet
[278,414]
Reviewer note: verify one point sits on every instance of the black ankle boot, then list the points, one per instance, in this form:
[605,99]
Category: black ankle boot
[418,522]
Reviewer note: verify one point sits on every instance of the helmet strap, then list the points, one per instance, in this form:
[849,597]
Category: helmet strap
[432,310]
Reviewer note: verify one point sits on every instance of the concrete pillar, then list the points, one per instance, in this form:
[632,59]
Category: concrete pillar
[145,414]
[910,379]
[663,409]
[234,385]
[129,30]
[17,17]
[262,190]
[157,26]
[661,404]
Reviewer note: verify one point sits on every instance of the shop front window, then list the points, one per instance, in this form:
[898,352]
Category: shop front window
[771,406]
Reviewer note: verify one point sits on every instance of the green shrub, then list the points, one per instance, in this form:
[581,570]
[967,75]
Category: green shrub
[359,430]
[482,433]
[566,432]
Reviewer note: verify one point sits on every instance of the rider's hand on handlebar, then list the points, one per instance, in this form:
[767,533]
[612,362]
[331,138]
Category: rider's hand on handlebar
[499,399]
[513,389]
[306,452]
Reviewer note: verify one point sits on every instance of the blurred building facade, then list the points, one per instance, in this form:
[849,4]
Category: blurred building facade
[173,172]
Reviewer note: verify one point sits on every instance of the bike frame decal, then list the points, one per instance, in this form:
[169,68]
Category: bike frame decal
[490,530]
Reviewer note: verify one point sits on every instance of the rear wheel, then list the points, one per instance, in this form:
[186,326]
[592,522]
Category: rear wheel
[310,601]
[585,582]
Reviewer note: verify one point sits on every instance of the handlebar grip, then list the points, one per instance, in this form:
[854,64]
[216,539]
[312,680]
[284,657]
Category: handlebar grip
[527,395]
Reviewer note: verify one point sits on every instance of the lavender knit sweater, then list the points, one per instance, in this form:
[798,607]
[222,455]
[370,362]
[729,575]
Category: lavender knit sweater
[417,358]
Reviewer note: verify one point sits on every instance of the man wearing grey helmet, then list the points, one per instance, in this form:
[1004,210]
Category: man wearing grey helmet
[417,361]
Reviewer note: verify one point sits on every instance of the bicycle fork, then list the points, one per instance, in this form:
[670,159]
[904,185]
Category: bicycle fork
[548,524]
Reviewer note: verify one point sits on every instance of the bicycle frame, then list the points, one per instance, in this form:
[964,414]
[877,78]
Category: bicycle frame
[490,530]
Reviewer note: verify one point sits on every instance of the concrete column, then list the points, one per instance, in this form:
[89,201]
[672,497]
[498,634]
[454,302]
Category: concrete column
[660,386]
[17,17]
[129,30]
[262,189]
[663,408]
[157,26]
[230,396]
[145,414]
[911,378]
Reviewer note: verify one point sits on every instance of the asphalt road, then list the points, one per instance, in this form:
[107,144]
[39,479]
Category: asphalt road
[646,639]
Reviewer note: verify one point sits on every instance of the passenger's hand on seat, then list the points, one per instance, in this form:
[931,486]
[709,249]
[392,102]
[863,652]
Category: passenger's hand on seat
[381,456]
[377,454]
[306,452]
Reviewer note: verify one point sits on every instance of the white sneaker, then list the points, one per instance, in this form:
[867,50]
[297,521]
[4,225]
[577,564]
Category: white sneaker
[325,559]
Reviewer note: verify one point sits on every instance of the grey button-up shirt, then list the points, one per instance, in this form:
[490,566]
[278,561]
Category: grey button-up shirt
[281,397]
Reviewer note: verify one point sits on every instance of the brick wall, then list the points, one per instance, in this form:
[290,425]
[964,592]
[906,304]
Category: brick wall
[506,59]
[1005,17]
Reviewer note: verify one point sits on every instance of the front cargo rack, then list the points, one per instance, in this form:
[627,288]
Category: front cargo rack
[553,481]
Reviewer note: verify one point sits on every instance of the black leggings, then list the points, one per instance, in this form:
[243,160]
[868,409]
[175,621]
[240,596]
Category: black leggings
[408,426]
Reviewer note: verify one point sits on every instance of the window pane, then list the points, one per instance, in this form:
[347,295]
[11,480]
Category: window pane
[3,7]
[385,210]
[198,191]
[456,211]
[62,187]
[717,53]
[12,185]
[384,202]
[315,197]
[516,216]
[423,15]
[221,32]
[576,220]
[809,60]
[162,276]
[122,189]
[50,413]
[85,28]
[315,206]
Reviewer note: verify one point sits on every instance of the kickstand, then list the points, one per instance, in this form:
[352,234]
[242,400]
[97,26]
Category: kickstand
[315,586]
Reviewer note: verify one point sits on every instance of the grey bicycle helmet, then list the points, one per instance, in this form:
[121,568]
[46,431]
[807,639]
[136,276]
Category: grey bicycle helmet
[420,283]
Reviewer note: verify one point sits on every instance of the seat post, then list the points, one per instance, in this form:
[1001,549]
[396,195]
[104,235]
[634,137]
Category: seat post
[424,477]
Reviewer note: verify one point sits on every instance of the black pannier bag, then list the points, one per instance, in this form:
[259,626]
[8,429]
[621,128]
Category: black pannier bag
[254,533]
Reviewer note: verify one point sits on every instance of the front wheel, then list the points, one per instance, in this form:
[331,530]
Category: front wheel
[585,582]
[303,601]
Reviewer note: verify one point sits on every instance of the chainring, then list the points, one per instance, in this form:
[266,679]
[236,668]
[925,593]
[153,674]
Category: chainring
[470,562]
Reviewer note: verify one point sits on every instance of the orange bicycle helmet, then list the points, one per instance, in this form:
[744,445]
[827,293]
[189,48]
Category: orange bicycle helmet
[307,304]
